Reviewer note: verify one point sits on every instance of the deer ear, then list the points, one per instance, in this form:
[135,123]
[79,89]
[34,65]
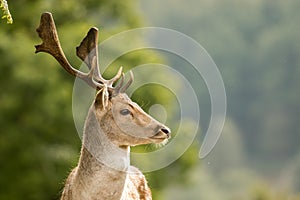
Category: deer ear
[102,98]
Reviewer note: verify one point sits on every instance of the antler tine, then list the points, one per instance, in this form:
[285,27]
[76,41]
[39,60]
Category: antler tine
[116,89]
[123,89]
[115,78]
[47,32]
[87,51]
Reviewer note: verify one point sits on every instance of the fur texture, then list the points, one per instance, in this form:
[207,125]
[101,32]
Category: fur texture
[104,171]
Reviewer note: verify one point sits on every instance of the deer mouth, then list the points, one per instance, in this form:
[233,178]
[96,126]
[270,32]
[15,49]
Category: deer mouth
[161,135]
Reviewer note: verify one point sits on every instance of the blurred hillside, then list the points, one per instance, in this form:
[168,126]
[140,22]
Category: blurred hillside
[255,45]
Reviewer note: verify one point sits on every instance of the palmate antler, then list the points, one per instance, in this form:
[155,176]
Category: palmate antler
[87,51]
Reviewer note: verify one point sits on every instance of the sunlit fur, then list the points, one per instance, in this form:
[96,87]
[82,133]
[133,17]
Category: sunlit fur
[104,170]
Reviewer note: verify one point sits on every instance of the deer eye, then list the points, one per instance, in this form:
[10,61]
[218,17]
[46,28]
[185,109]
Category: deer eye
[125,112]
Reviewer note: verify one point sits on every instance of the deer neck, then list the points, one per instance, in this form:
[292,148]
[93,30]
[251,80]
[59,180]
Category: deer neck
[102,165]
[102,151]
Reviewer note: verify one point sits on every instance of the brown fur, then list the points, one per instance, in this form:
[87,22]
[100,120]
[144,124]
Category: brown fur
[103,171]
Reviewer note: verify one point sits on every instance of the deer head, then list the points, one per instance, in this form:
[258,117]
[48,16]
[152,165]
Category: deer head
[126,123]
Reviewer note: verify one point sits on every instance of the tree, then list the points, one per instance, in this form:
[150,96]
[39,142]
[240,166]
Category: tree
[6,13]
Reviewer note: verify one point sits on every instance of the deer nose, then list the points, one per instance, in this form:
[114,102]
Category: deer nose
[166,130]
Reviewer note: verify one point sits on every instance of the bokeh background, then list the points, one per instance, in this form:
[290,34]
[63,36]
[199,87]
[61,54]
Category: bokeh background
[255,44]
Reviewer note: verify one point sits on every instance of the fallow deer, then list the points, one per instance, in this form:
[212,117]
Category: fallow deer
[113,124]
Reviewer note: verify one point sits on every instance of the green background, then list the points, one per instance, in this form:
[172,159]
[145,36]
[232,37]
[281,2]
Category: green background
[256,46]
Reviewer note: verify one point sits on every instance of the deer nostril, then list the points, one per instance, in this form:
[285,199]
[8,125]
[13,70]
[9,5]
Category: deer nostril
[166,131]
